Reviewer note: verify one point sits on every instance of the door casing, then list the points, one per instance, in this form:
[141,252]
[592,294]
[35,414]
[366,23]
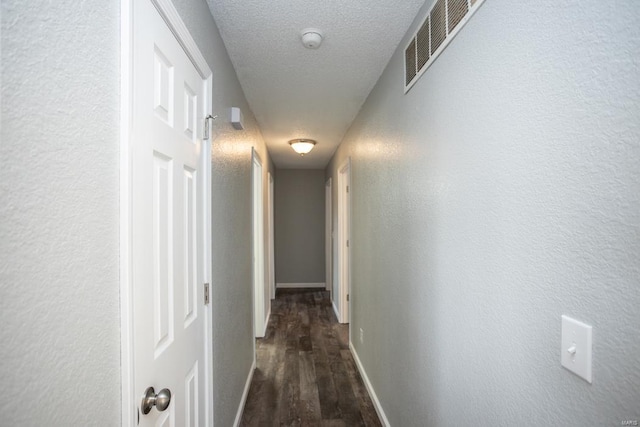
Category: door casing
[259,300]
[171,17]
[271,244]
[328,237]
[344,243]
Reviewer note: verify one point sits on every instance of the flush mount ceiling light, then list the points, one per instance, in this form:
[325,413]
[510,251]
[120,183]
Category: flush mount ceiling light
[311,38]
[302,146]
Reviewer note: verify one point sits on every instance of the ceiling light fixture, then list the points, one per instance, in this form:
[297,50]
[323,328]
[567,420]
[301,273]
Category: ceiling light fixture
[311,38]
[302,146]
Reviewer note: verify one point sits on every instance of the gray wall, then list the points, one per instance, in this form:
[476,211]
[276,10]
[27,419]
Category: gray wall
[501,192]
[59,252]
[299,226]
[59,169]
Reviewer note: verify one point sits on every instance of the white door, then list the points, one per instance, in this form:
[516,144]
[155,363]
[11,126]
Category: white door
[167,223]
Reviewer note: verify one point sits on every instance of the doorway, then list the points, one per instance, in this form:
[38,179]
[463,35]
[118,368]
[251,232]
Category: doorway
[165,211]
[328,244]
[259,316]
[344,244]
[271,244]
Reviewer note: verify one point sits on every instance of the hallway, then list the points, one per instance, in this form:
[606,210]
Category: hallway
[305,372]
[471,200]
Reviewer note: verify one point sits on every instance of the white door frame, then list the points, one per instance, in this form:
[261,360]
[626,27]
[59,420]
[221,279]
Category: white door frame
[344,249]
[328,230]
[257,195]
[271,247]
[171,17]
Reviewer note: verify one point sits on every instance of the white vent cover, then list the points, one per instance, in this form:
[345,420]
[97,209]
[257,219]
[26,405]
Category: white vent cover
[410,61]
[442,23]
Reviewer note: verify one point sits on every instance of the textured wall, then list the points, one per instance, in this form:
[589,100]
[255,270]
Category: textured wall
[501,192]
[299,226]
[231,218]
[59,163]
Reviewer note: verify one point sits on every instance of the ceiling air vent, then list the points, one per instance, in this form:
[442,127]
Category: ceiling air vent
[422,43]
[444,20]
[410,62]
[438,25]
[457,9]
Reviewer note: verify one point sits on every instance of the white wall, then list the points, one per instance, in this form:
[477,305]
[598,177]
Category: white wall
[501,192]
[59,175]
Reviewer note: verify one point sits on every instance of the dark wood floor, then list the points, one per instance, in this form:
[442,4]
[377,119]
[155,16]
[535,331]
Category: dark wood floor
[305,373]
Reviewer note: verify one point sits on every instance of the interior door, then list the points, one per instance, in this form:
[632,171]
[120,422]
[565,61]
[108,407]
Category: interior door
[167,224]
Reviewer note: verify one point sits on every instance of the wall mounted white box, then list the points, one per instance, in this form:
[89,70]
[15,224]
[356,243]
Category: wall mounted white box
[576,347]
[236,118]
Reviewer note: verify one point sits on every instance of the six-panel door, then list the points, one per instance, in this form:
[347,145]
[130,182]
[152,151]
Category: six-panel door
[167,222]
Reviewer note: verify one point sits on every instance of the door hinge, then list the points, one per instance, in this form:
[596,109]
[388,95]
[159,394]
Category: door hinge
[347,297]
[347,188]
[347,243]
[206,294]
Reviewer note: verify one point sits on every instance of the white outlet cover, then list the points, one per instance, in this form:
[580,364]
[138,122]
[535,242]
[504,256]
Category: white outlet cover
[576,347]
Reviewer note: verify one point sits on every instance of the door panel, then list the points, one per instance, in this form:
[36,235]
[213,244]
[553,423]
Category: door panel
[168,222]
[190,178]
[192,397]
[163,264]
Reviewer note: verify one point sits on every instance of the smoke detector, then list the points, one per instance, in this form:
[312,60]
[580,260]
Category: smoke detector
[311,38]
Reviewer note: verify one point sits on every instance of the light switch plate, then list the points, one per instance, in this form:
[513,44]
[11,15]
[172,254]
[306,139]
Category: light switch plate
[576,347]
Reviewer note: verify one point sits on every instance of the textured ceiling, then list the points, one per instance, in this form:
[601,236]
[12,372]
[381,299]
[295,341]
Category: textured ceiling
[296,92]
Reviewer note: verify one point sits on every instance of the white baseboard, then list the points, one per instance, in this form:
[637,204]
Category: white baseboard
[367,383]
[335,310]
[245,393]
[301,285]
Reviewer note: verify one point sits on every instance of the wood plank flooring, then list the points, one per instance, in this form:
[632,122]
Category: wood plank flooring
[305,374]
